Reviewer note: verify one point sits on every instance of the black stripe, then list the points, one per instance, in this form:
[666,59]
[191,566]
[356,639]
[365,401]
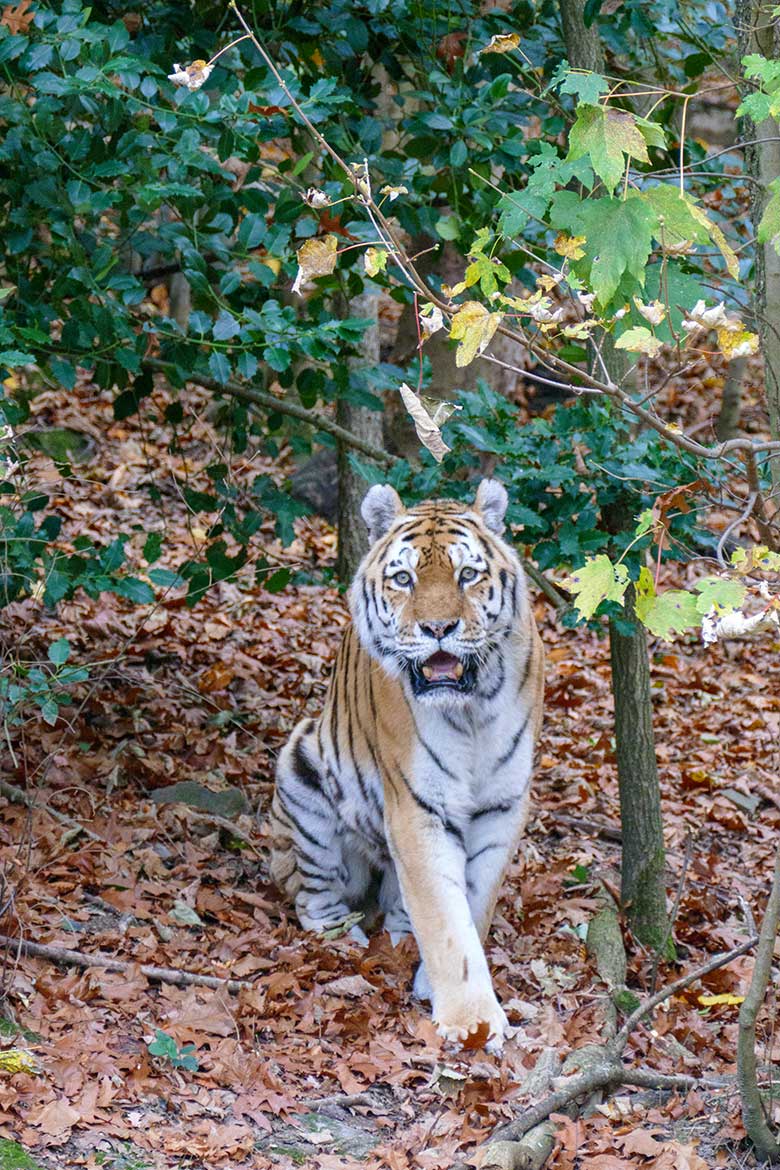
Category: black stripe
[448,826]
[299,829]
[507,756]
[503,806]
[484,849]
[304,770]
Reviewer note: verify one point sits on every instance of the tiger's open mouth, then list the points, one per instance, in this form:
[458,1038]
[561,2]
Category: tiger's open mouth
[443,671]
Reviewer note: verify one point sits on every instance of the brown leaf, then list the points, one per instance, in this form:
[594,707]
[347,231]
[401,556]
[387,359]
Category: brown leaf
[56,1117]
[17,19]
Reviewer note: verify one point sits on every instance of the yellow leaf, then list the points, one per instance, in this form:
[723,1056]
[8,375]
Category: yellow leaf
[316,257]
[502,43]
[716,1000]
[376,261]
[639,340]
[16,1060]
[718,239]
[569,246]
[473,326]
[737,343]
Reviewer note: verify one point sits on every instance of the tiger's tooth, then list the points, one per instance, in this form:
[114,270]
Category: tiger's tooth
[459,670]
[427,671]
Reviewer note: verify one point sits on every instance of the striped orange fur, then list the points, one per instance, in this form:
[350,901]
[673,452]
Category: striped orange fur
[415,779]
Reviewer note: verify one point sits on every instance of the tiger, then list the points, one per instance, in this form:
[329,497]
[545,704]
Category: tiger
[414,781]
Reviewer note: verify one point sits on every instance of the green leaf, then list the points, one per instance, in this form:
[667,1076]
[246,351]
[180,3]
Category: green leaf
[225,326]
[152,547]
[134,590]
[59,652]
[15,357]
[673,611]
[719,593]
[607,136]
[598,580]
[50,711]
[619,238]
[586,86]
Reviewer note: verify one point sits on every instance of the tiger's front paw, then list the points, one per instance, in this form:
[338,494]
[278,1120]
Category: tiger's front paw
[478,1015]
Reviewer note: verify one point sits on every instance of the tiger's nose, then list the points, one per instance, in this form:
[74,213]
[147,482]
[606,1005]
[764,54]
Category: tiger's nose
[438,629]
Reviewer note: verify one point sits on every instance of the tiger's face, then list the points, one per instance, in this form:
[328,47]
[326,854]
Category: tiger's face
[437,591]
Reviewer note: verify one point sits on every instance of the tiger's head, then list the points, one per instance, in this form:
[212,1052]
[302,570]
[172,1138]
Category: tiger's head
[438,591]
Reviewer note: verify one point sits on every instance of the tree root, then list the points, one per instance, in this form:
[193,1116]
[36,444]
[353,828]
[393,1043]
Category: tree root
[18,796]
[158,974]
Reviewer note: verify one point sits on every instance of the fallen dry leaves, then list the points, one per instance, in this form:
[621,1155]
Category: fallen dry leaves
[208,695]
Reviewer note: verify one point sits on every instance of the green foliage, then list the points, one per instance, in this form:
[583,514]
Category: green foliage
[112,178]
[41,686]
[166,1048]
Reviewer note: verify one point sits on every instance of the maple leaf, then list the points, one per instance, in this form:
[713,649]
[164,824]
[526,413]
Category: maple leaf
[598,580]
[570,247]
[375,260]
[664,614]
[619,235]
[608,136]
[473,326]
[639,340]
[428,416]
[192,76]
[17,19]
[734,343]
[501,43]
[316,257]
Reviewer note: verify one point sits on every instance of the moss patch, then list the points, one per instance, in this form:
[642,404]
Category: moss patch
[13,1157]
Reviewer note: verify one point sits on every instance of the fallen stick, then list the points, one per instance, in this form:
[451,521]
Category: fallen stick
[18,796]
[159,974]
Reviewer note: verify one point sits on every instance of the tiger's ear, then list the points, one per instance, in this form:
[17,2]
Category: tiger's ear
[491,503]
[381,504]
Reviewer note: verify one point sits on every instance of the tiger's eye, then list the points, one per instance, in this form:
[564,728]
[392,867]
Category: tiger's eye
[468,574]
[404,579]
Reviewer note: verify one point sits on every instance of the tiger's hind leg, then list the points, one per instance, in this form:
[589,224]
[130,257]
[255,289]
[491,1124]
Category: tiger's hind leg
[311,858]
[391,903]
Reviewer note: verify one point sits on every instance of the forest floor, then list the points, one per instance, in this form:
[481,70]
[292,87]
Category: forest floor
[324,1060]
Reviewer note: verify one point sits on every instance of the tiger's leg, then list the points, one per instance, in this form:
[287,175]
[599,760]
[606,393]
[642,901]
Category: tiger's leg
[310,855]
[391,903]
[492,839]
[431,870]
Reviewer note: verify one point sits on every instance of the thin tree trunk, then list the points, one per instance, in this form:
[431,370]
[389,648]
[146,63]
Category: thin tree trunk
[727,426]
[759,33]
[643,886]
[754,1114]
[583,43]
[367,425]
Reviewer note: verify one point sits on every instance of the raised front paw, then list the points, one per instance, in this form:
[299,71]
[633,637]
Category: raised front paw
[473,1021]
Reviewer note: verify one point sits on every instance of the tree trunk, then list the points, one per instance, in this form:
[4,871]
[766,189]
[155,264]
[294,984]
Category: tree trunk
[643,887]
[754,1115]
[759,33]
[727,426]
[583,43]
[367,424]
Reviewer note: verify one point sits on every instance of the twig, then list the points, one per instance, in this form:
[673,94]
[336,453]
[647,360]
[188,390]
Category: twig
[671,989]
[588,825]
[282,406]
[547,587]
[159,974]
[18,796]
[744,515]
